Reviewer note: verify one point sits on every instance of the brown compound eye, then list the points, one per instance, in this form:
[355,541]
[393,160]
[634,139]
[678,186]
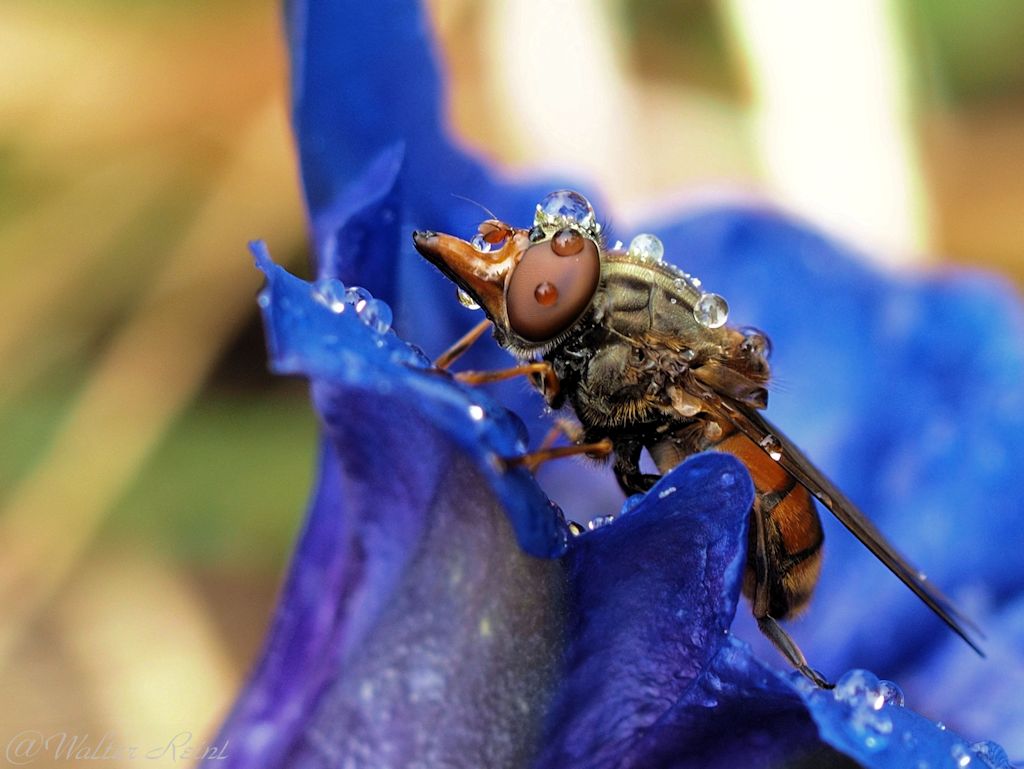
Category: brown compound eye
[552,285]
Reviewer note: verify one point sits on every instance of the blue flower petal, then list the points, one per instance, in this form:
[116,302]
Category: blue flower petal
[935,462]
[350,364]
[652,598]
[414,627]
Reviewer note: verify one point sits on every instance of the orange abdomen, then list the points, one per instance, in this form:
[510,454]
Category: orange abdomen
[793,532]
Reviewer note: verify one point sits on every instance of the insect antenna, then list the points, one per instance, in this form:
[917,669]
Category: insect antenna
[479,205]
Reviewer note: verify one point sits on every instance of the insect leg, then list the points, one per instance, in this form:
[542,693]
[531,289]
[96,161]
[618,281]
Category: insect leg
[765,622]
[535,459]
[453,353]
[627,467]
[542,369]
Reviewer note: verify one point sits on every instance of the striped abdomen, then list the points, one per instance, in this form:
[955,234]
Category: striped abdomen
[793,532]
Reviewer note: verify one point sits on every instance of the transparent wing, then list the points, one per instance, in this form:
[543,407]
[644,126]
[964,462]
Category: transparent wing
[784,451]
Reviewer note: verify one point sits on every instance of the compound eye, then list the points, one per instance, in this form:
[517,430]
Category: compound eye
[552,285]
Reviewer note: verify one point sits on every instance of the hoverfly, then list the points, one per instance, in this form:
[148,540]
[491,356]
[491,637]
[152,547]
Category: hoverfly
[646,360]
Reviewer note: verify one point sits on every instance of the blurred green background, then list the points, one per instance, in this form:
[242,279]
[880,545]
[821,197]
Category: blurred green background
[153,475]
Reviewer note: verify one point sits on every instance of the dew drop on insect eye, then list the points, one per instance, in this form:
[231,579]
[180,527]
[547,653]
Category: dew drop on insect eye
[546,294]
[575,529]
[331,293]
[711,311]
[357,296]
[647,247]
[891,693]
[687,354]
[562,208]
[773,446]
[466,300]
[375,314]
[667,492]
[960,753]
[476,412]
[567,242]
[991,754]
[263,299]
[599,521]
[536,234]
[480,243]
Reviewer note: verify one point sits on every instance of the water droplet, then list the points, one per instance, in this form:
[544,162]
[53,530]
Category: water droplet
[263,300]
[631,503]
[667,492]
[773,446]
[357,296]
[728,479]
[375,314]
[647,247]
[711,311]
[940,726]
[619,245]
[567,243]
[476,412]
[859,685]
[891,693]
[480,243]
[992,754]
[563,208]
[536,234]
[861,691]
[960,754]
[466,300]
[575,529]
[330,293]
[687,354]
[599,521]
[546,294]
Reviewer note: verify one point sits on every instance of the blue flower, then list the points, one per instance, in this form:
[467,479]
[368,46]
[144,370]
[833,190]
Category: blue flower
[437,613]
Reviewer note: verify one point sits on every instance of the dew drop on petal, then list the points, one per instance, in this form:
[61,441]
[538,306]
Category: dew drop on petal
[858,685]
[563,208]
[330,292]
[647,247]
[357,296]
[466,300]
[961,754]
[711,311]
[867,721]
[631,503]
[375,314]
[991,754]
[891,693]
